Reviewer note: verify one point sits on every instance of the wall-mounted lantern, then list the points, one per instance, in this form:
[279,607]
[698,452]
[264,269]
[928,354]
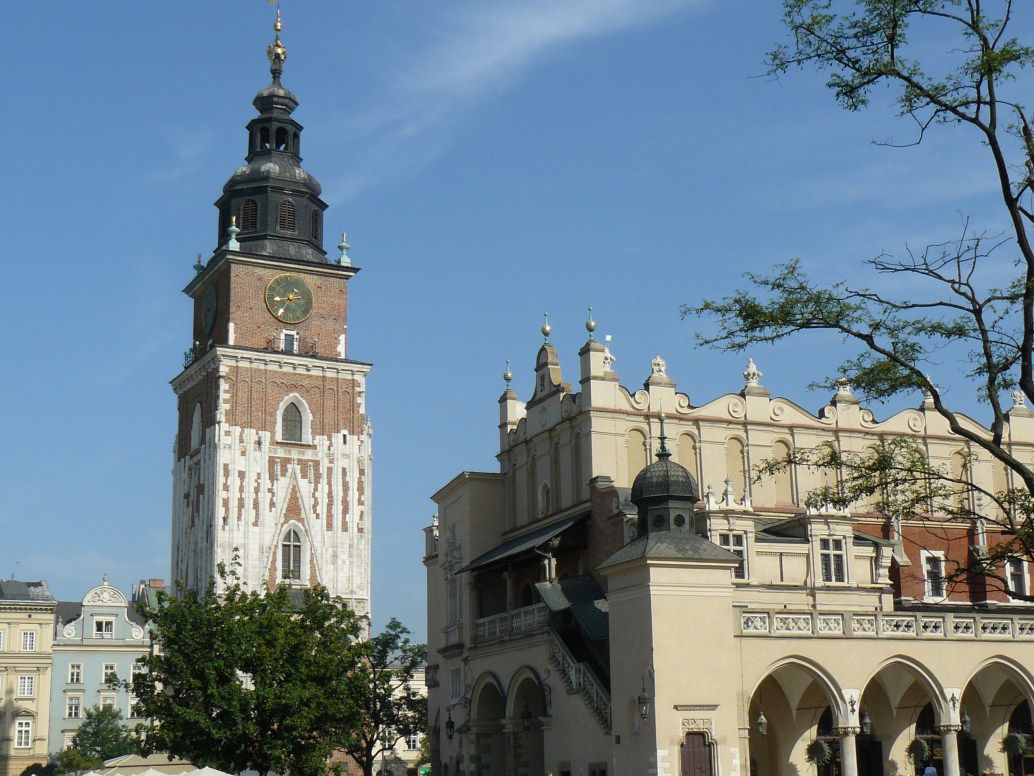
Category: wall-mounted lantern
[762,724]
[965,722]
[450,727]
[866,723]
[526,718]
[644,701]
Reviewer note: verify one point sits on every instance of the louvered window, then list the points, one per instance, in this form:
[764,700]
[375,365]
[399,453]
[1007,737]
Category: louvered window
[287,216]
[291,555]
[291,424]
[249,216]
[316,225]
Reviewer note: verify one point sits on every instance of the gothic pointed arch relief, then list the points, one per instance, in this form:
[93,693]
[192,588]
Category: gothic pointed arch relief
[293,511]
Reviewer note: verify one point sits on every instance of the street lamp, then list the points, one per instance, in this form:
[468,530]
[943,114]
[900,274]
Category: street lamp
[643,701]
[450,726]
[762,724]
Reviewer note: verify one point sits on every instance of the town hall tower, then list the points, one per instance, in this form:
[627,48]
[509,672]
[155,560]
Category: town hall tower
[272,453]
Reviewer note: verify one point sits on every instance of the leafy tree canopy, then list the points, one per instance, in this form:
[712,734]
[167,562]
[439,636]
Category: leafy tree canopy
[252,680]
[962,308]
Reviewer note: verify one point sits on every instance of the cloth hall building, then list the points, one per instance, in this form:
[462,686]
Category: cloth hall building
[591,611]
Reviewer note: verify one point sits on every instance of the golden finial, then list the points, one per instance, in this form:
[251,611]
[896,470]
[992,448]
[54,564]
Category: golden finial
[277,51]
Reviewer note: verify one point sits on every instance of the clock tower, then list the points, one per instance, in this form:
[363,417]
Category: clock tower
[272,460]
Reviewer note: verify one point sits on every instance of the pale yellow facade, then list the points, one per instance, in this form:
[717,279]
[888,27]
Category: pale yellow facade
[26,652]
[833,627]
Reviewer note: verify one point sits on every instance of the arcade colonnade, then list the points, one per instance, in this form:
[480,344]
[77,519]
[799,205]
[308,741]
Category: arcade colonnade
[869,713]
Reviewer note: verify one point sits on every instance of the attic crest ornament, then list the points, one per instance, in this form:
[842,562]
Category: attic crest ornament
[659,366]
[752,374]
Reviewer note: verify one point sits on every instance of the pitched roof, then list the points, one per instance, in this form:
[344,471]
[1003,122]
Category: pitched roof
[523,543]
[14,590]
[669,545]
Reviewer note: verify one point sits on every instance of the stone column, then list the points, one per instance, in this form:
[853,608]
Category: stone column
[848,751]
[950,742]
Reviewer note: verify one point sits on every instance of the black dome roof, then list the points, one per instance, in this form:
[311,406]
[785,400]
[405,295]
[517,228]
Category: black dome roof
[664,479]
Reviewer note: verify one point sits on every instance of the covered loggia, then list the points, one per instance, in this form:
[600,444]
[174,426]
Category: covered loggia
[526,715]
[485,729]
[785,712]
[996,702]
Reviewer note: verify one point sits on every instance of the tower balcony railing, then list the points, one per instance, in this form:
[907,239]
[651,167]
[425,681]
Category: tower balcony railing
[872,625]
[194,352]
[517,622]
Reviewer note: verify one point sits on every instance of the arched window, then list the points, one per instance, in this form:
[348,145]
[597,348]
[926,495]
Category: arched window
[263,138]
[735,466]
[782,480]
[281,139]
[249,216]
[578,478]
[315,225]
[686,455]
[958,468]
[295,146]
[291,424]
[291,553]
[195,428]
[286,220]
[545,500]
[635,452]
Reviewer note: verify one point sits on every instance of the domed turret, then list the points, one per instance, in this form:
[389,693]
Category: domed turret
[665,494]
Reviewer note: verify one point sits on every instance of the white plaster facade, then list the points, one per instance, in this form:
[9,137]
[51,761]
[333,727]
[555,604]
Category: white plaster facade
[238,492]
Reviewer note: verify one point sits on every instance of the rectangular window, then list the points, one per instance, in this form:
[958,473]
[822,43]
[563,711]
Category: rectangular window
[290,341]
[831,560]
[933,568]
[1,641]
[23,734]
[455,683]
[413,742]
[1017,577]
[134,708]
[74,706]
[28,641]
[75,673]
[104,629]
[736,543]
[108,671]
[108,701]
[26,686]
[597,770]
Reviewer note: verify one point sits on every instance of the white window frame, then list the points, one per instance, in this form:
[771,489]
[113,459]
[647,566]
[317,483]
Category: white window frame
[26,686]
[1,641]
[103,633]
[109,699]
[1025,574]
[28,641]
[74,703]
[75,673]
[824,551]
[925,556]
[108,668]
[131,707]
[23,734]
[303,406]
[303,556]
[725,541]
[284,334]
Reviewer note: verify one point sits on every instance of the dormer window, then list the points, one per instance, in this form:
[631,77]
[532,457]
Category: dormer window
[104,628]
[832,560]
[286,220]
[249,216]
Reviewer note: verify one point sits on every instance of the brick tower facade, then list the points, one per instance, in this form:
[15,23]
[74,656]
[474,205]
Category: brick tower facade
[272,452]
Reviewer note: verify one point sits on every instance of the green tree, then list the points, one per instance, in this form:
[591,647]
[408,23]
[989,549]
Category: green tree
[72,762]
[941,310]
[249,680]
[391,708]
[103,735]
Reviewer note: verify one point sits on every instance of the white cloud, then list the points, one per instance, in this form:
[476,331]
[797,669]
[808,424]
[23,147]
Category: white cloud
[476,52]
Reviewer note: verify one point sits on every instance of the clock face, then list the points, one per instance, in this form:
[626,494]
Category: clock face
[289,298]
[209,305]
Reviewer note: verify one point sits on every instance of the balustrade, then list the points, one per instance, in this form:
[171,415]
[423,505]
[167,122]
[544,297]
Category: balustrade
[887,625]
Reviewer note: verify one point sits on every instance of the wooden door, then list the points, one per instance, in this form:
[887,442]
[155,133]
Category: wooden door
[696,756]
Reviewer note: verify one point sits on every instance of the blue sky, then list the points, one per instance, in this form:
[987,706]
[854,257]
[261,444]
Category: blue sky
[490,159]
